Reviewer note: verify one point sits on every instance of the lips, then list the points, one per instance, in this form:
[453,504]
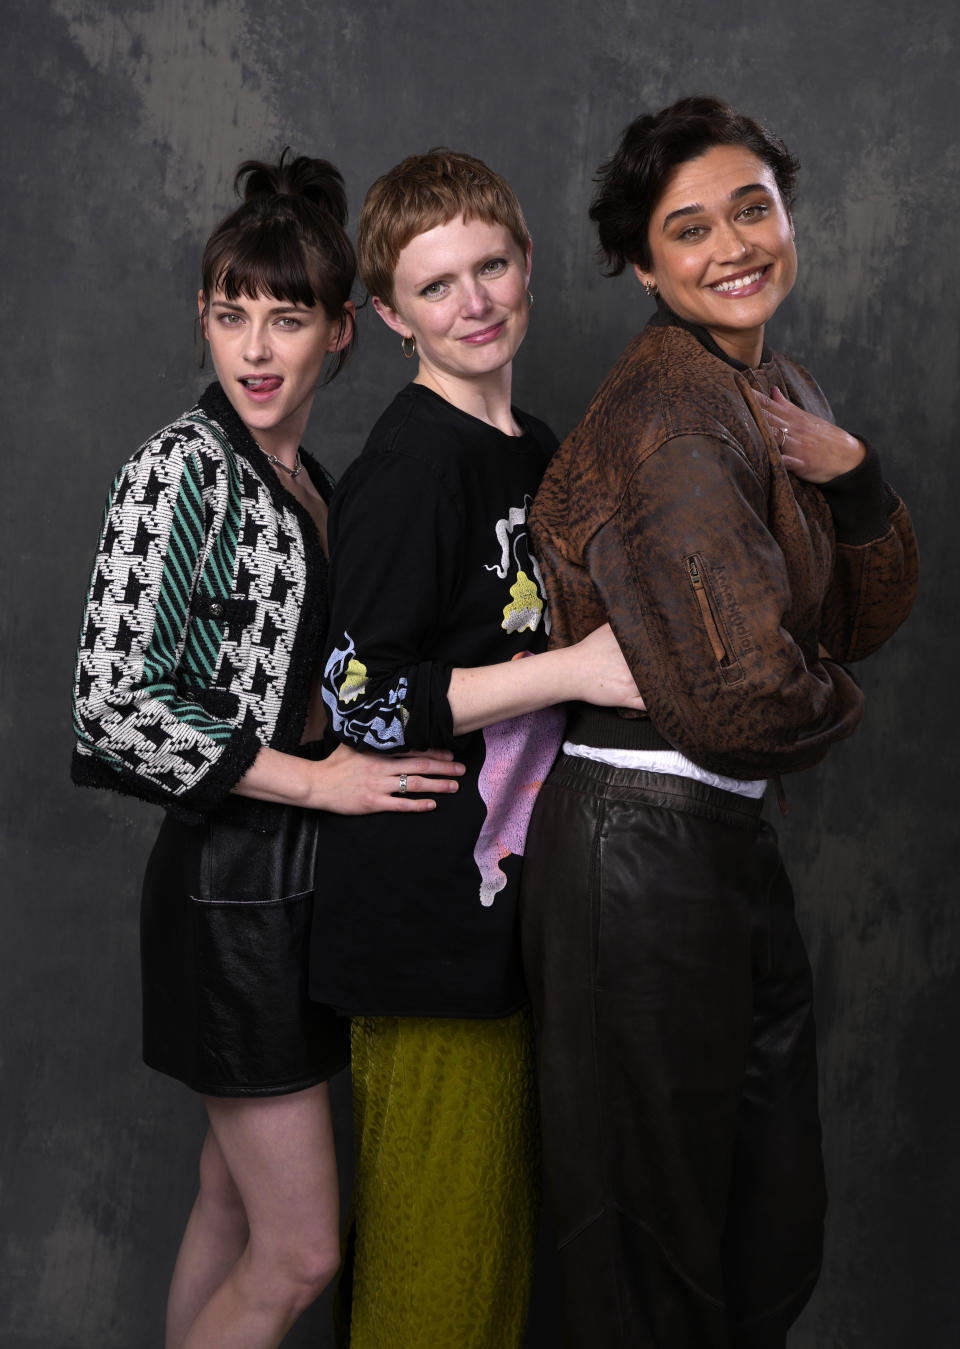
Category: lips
[742,283]
[490,334]
[261,388]
[262,383]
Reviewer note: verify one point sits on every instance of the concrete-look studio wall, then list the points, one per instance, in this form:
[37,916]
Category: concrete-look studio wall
[123,123]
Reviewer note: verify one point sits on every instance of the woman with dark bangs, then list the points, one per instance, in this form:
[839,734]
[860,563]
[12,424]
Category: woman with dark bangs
[204,622]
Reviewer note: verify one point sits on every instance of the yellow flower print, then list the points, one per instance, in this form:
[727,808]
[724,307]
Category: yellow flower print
[527,607]
[354,682]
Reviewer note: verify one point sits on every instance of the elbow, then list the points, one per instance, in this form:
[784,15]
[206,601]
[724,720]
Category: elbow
[780,731]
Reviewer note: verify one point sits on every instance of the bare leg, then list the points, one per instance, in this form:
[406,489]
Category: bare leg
[279,1153]
[213,1242]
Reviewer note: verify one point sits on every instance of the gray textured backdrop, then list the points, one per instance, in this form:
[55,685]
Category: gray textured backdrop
[123,124]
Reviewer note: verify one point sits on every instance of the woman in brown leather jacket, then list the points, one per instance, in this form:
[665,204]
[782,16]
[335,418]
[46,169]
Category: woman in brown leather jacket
[741,545]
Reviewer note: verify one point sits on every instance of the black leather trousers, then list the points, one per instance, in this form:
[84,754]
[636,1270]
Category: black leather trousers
[678,1067]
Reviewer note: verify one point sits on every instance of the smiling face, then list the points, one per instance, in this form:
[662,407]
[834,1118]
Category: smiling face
[721,247]
[268,355]
[461,290]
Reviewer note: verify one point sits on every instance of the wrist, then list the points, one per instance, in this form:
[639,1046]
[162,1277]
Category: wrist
[316,785]
[568,683]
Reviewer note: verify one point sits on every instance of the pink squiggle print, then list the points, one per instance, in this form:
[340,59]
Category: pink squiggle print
[519,755]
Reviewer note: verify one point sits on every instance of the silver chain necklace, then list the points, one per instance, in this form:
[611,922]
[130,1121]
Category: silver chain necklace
[278,463]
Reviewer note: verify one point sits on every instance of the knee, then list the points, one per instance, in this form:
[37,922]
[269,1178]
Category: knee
[306,1268]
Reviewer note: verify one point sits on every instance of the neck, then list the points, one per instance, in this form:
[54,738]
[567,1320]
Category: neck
[283,440]
[487,397]
[742,346]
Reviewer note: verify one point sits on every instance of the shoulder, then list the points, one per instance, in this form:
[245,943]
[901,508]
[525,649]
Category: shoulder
[665,384]
[180,450]
[411,447]
[538,431]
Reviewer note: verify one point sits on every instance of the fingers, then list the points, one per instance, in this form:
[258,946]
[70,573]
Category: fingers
[402,804]
[426,763]
[410,782]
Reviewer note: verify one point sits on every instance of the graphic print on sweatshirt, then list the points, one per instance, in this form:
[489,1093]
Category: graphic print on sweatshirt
[527,596]
[379,722]
[519,751]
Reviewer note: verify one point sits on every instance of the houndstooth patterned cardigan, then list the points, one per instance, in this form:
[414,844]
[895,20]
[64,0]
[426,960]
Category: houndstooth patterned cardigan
[204,620]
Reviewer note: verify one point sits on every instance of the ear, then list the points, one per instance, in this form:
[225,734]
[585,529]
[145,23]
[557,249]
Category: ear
[390,317]
[202,311]
[645,278]
[344,333]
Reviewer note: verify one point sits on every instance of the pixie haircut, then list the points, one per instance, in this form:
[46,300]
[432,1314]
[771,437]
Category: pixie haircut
[632,181]
[420,193]
[286,239]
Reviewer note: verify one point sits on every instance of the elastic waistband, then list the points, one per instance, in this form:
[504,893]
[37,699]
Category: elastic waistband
[612,728]
[666,790]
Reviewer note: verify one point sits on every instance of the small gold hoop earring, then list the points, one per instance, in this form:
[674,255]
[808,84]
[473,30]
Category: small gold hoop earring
[408,355]
[529,299]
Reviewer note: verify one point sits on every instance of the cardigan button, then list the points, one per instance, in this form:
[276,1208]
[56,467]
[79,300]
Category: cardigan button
[216,609]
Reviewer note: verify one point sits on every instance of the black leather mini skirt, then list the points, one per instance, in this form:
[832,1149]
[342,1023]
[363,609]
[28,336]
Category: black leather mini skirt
[224,944]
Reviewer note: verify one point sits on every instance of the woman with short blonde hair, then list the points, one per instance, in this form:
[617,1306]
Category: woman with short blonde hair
[432,577]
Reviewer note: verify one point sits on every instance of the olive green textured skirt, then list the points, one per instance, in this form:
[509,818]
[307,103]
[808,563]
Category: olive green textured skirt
[446,1195]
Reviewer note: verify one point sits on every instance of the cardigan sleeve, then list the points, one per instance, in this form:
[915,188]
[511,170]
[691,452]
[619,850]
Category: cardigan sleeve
[147,717]
[395,545]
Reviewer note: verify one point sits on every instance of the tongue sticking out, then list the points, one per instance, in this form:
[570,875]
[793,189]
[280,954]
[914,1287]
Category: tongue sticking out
[268,384]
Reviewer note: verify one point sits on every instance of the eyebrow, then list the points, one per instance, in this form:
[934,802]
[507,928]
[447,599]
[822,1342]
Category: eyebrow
[277,309]
[697,207]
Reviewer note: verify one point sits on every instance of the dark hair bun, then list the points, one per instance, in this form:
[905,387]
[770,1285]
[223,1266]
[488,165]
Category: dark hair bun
[316,179]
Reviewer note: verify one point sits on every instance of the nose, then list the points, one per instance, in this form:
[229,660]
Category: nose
[729,243]
[474,301]
[257,346]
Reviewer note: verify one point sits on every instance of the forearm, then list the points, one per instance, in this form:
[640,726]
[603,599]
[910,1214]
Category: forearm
[593,671]
[283,778]
[489,693]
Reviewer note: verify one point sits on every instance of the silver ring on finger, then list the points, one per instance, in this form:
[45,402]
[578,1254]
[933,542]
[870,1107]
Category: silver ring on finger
[783,436]
[401,790]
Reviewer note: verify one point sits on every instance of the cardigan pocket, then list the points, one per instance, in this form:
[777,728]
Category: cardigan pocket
[712,619]
[232,612]
[219,702]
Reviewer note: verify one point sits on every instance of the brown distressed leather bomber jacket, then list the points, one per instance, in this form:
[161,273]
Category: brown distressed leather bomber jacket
[669,513]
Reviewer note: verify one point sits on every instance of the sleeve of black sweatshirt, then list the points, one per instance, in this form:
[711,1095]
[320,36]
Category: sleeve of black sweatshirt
[395,532]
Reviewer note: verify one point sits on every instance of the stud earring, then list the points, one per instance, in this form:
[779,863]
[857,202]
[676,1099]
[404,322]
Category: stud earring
[650,288]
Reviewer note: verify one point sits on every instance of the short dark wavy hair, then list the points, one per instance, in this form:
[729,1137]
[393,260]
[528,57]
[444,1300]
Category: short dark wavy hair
[633,179]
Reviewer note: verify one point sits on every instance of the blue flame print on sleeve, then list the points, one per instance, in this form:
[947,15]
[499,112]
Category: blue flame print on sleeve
[378,722]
